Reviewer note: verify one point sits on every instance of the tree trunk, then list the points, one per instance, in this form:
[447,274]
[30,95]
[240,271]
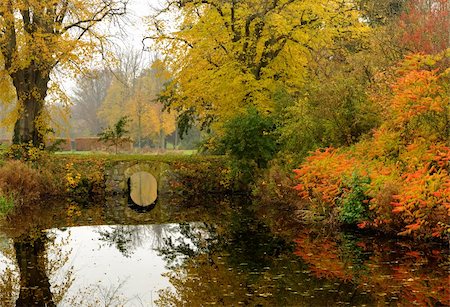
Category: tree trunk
[162,140]
[175,146]
[31,86]
[139,133]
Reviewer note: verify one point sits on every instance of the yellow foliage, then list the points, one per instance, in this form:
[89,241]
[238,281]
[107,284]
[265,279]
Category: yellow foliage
[228,55]
[113,105]
[139,102]
[36,36]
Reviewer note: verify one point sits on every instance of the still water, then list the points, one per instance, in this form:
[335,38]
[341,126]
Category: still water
[219,252]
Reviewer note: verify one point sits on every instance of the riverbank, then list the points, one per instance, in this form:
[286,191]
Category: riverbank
[92,178]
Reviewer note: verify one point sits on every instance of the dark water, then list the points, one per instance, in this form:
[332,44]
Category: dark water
[217,252]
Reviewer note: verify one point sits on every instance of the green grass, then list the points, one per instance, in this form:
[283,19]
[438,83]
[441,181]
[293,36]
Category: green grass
[186,156]
[6,205]
[101,153]
[3,149]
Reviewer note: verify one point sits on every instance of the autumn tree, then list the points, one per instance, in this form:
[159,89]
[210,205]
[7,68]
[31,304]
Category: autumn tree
[126,71]
[332,107]
[36,36]
[88,96]
[150,120]
[161,122]
[425,26]
[137,99]
[381,12]
[228,55]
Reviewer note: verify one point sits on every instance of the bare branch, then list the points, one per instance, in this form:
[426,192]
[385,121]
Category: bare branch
[166,37]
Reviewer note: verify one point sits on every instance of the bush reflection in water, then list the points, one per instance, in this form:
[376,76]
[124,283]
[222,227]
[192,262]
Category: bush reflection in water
[230,258]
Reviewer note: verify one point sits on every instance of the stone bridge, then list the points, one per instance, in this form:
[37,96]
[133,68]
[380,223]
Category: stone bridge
[118,174]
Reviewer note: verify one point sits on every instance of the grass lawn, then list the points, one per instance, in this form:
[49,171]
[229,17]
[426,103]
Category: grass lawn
[168,156]
[97,153]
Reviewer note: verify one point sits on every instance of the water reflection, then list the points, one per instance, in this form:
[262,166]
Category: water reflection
[228,259]
[127,238]
[393,272]
[34,282]
[86,266]
[243,263]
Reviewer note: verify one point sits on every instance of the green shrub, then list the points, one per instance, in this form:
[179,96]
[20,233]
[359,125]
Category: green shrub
[200,178]
[6,205]
[250,141]
[116,135]
[354,203]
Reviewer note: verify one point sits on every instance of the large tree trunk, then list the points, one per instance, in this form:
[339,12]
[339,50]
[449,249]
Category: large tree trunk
[31,85]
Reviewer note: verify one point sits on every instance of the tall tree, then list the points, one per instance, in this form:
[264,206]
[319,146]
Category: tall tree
[38,35]
[227,55]
[135,96]
[125,73]
[88,97]
[150,118]
[425,26]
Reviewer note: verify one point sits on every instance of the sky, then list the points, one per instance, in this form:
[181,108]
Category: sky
[135,27]
[126,37]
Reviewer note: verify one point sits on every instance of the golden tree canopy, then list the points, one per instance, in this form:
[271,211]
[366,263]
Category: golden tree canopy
[229,54]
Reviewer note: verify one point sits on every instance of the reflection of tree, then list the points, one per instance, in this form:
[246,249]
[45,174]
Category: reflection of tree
[244,238]
[194,239]
[242,263]
[415,276]
[9,276]
[57,258]
[34,282]
[251,241]
[99,295]
[38,257]
[8,287]
[127,238]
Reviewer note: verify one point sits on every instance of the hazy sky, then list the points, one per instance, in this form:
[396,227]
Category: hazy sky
[136,28]
[126,37]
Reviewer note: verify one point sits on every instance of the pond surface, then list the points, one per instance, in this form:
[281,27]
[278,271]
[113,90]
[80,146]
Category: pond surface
[218,252]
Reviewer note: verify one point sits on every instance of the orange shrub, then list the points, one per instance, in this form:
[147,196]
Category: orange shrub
[21,182]
[321,180]
[407,160]
[424,200]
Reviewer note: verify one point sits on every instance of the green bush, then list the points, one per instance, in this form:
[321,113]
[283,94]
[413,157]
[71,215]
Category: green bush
[201,177]
[250,141]
[6,205]
[354,208]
